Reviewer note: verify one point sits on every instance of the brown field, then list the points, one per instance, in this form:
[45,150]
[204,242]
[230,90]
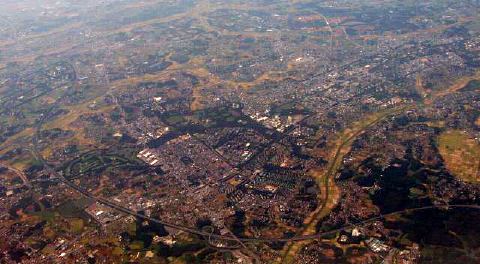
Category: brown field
[461,154]
[455,87]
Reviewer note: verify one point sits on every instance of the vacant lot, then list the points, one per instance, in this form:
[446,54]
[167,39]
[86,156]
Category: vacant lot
[461,154]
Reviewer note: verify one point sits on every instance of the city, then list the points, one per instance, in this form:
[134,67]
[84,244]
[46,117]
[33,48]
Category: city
[225,131]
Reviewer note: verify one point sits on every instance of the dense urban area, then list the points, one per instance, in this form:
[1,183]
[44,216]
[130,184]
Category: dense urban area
[240,131]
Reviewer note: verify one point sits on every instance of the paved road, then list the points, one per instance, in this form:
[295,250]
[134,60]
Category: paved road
[190,230]
[20,174]
[331,172]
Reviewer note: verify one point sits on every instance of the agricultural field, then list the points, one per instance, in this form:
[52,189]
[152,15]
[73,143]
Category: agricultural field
[461,154]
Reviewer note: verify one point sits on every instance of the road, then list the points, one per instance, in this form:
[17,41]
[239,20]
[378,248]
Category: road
[20,174]
[327,178]
[194,231]
[122,209]
[125,210]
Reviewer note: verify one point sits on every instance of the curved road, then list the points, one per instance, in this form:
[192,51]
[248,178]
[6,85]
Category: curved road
[208,235]
[190,230]
[20,174]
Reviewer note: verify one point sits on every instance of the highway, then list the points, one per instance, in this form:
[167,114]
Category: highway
[20,174]
[194,231]
[209,235]
[328,177]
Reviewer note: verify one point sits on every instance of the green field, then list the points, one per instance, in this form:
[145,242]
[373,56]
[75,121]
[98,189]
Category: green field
[461,155]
